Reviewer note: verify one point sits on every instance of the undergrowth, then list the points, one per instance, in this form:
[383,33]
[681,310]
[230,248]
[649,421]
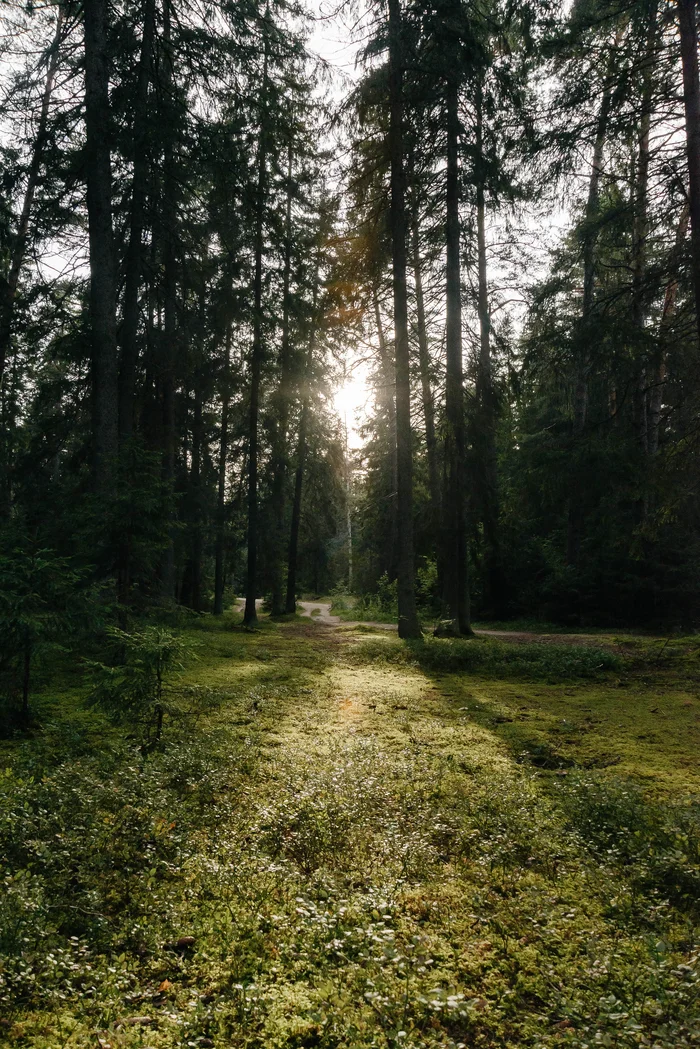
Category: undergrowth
[262,881]
[492,658]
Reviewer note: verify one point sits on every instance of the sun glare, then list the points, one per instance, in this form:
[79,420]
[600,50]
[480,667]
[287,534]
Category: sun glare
[352,402]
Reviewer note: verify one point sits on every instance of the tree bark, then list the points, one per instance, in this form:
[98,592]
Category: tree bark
[19,248]
[250,616]
[454,552]
[495,586]
[103,289]
[279,478]
[409,627]
[389,399]
[691,94]
[134,255]
[220,551]
[424,367]
[170,319]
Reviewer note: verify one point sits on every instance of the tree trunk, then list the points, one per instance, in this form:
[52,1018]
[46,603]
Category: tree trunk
[388,383]
[19,247]
[424,366]
[691,93]
[409,627]
[454,551]
[170,320]
[220,553]
[134,255]
[583,362]
[495,585]
[641,231]
[279,478]
[292,562]
[250,615]
[196,498]
[291,602]
[103,291]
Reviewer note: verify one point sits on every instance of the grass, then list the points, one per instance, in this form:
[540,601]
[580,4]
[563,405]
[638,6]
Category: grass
[349,845]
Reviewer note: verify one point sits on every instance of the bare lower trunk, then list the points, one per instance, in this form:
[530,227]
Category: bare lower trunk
[495,588]
[455,579]
[134,255]
[388,397]
[292,561]
[250,615]
[280,451]
[19,247]
[220,553]
[691,94]
[103,292]
[409,627]
[425,378]
[640,234]
[170,319]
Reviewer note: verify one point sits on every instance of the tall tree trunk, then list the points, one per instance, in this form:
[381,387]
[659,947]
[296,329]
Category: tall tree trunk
[583,359]
[409,626]
[103,289]
[486,399]
[19,247]
[134,255]
[424,367]
[389,399]
[250,615]
[196,497]
[641,230]
[306,378]
[220,551]
[454,547]
[691,93]
[170,319]
[279,478]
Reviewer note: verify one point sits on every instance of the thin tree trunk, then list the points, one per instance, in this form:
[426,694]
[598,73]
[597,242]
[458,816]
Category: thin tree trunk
[170,320]
[388,382]
[292,564]
[220,553]
[454,551]
[583,360]
[196,497]
[424,366]
[19,248]
[641,230]
[134,255]
[293,557]
[279,478]
[409,627]
[103,289]
[250,615]
[486,399]
[691,92]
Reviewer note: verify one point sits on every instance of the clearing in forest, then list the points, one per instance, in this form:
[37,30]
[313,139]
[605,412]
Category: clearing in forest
[362,843]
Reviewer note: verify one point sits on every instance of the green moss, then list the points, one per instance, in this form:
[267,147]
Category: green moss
[366,852]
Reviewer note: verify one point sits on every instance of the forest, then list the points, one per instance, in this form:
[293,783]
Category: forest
[349,524]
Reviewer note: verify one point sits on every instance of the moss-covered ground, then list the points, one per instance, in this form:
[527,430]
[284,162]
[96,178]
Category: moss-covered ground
[346,841]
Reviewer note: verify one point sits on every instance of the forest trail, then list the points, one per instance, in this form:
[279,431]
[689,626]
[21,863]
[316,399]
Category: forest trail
[320,612]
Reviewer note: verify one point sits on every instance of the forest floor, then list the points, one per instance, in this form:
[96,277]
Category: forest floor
[349,841]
